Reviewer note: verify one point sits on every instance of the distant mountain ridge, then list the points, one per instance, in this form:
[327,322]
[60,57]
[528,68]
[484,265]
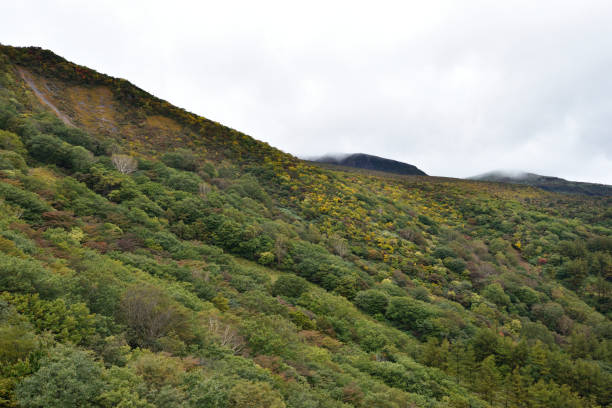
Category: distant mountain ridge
[370,162]
[547,183]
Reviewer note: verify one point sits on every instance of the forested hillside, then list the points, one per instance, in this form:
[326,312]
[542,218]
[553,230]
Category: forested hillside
[153,258]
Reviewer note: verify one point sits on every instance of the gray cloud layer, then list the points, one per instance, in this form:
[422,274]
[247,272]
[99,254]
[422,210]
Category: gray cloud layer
[456,88]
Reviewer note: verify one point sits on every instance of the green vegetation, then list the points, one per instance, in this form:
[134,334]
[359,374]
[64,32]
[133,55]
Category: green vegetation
[201,268]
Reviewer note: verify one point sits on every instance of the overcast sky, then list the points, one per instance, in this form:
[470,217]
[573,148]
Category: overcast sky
[456,88]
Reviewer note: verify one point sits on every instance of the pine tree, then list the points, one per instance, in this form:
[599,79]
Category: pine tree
[444,354]
[515,390]
[431,352]
[539,395]
[487,380]
[467,365]
[455,356]
[538,360]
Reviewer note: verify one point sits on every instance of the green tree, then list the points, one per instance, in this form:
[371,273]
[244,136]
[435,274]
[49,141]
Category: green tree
[486,342]
[487,380]
[67,378]
[79,158]
[208,393]
[574,273]
[150,315]
[123,389]
[538,361]
[549,314]
[25,276]
[436,353]
[515,390]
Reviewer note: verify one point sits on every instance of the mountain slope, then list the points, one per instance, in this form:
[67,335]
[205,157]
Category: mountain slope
[150,257]
[369,162]
[113,109]
[547,183]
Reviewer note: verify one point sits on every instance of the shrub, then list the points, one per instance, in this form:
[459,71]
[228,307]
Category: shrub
[220,302]
[414,235]
[77,137]
[495,293]
[32,205]
[289,285]
[301,320]
[48,149]
[182,159]
[266,258]
[247,394]
[372,301]
[410,314]
[371,339]
[316,264]
[11,161]
[270,335]
[185,182]
[209,170]
[347,286]
[426,220]
[189,210]
[150,315]
[527,295]
[420,293]
[456,265]
[548,313]
[499,245]
[10,141]
[80,159]
[443,252]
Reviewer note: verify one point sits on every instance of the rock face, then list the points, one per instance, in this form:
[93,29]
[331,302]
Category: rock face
[369,162]
[547,183]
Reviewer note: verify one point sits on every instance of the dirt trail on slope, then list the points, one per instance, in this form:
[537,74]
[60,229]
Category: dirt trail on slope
[42,97]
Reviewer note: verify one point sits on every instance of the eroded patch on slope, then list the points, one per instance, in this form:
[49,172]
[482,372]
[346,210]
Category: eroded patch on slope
[96,110]
[27,77]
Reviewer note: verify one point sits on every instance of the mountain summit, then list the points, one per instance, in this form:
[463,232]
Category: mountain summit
[369,162]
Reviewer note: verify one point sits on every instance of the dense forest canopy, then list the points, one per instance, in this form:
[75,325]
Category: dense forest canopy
[153,258]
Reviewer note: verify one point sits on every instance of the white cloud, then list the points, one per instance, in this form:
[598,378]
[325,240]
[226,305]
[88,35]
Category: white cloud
[455,88]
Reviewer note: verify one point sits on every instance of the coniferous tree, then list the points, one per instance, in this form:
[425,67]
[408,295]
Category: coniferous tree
[487,380]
